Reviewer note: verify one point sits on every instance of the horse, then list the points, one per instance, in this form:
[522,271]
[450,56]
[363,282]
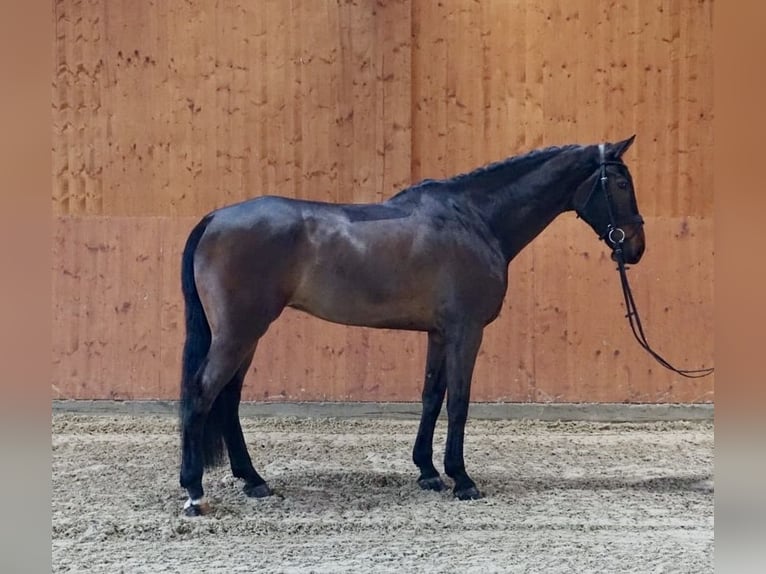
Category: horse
[432,258]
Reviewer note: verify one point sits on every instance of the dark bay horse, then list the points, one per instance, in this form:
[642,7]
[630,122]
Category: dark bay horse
[432,258]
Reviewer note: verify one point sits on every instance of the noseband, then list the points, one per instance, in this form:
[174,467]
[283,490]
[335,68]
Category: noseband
[614,232]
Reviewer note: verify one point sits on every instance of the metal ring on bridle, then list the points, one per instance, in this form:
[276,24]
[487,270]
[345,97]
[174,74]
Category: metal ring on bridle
[611,237]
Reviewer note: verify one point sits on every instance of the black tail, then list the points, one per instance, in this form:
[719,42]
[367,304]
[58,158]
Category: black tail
[195,352]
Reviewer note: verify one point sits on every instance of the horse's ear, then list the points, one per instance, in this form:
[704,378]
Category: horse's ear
[621,147]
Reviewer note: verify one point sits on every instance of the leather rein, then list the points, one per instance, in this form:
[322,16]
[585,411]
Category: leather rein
[616,236]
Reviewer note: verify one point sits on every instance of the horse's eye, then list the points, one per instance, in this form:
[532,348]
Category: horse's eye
[622,184]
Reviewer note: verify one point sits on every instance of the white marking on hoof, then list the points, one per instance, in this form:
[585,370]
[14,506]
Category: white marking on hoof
[199,502]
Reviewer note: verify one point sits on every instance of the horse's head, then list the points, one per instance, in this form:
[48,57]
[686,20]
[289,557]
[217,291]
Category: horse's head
[607,202]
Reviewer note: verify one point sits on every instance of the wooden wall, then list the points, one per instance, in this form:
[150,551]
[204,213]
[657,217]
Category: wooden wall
[163,111]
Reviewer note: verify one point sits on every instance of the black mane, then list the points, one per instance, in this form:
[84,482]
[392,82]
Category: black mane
[507,170]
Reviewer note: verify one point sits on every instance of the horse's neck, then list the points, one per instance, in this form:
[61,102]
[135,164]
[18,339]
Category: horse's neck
[518,212]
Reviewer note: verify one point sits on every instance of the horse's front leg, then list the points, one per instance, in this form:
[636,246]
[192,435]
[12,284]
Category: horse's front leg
[461,351]
[434,388]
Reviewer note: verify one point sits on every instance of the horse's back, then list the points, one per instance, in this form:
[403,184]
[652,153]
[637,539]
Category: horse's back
[267,209]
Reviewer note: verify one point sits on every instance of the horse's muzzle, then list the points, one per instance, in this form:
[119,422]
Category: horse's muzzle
[633,246]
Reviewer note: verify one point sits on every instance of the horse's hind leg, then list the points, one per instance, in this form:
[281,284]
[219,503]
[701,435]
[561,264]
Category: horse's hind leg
[433,396]
[241,464]
[203,417]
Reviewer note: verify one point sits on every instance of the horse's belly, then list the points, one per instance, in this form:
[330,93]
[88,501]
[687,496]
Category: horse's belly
[383,318]
[367,297]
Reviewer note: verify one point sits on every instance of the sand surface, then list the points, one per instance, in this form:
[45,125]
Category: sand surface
[560,497]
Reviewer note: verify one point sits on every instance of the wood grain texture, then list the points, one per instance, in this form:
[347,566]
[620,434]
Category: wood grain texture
[178,108]
[494,79]
[164,111]
[561,335]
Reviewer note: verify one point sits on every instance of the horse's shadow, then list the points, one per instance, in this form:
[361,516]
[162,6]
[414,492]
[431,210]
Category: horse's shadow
[370,488]
[318,491]
[345,485]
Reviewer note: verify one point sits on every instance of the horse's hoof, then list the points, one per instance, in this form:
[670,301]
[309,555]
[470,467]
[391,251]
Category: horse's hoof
[470,493]
[196,507]
[434,483]
[193,510]
[258,490]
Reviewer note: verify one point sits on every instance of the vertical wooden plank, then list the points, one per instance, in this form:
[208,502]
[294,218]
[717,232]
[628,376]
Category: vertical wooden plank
[642,72]
[62,124]
[429,85]
[695,110]
[465,126]
[393,45]
[79,122]
[557,90]
[229,110]
[363,75]
[129,119]
[282,135]
[314,60]
[550,308]
[535,72]
[662,47]
[617,95]
[503,38]
[588,74]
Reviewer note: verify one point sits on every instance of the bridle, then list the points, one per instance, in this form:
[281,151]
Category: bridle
[616,236]
[613,232]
